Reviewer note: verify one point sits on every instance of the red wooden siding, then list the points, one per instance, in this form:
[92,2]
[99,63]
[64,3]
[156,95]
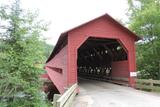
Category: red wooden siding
[120,69]
[57,69]
[45,76]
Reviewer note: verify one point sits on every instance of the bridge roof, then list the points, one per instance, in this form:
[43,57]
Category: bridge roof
[62,41]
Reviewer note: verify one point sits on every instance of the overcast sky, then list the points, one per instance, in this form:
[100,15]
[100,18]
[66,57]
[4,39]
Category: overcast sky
[66,14]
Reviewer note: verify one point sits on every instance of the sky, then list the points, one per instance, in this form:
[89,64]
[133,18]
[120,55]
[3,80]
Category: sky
[66,14]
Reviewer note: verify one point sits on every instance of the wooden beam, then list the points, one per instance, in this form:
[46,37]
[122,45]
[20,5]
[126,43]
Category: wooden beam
[92,44]
[90,56]
[100,57]
[109,51]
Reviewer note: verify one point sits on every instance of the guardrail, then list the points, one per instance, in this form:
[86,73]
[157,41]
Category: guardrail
[66,99]
[150,85]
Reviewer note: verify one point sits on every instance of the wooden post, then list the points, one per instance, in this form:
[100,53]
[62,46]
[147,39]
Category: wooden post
[151,84]
[55,98]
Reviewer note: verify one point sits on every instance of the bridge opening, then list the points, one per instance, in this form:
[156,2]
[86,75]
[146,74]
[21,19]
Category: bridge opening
[102,58]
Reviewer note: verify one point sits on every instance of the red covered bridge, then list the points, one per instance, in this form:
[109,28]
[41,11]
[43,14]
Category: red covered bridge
[100,48]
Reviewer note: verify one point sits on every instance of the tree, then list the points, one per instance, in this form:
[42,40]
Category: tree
[144,19]
[20,51]
[48,49]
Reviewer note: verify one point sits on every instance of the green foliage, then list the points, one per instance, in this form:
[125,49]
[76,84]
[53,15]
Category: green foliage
[21,49]
[48,49]
[144,18]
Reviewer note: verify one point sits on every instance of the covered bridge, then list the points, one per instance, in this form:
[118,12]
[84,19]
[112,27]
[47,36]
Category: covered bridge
[100,48]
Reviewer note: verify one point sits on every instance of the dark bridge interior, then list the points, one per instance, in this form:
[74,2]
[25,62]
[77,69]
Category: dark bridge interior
[95,57]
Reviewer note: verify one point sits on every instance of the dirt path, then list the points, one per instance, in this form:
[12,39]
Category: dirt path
[102,94]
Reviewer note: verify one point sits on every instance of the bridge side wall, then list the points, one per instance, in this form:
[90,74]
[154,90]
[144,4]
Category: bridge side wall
[57,69]
[120,69]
